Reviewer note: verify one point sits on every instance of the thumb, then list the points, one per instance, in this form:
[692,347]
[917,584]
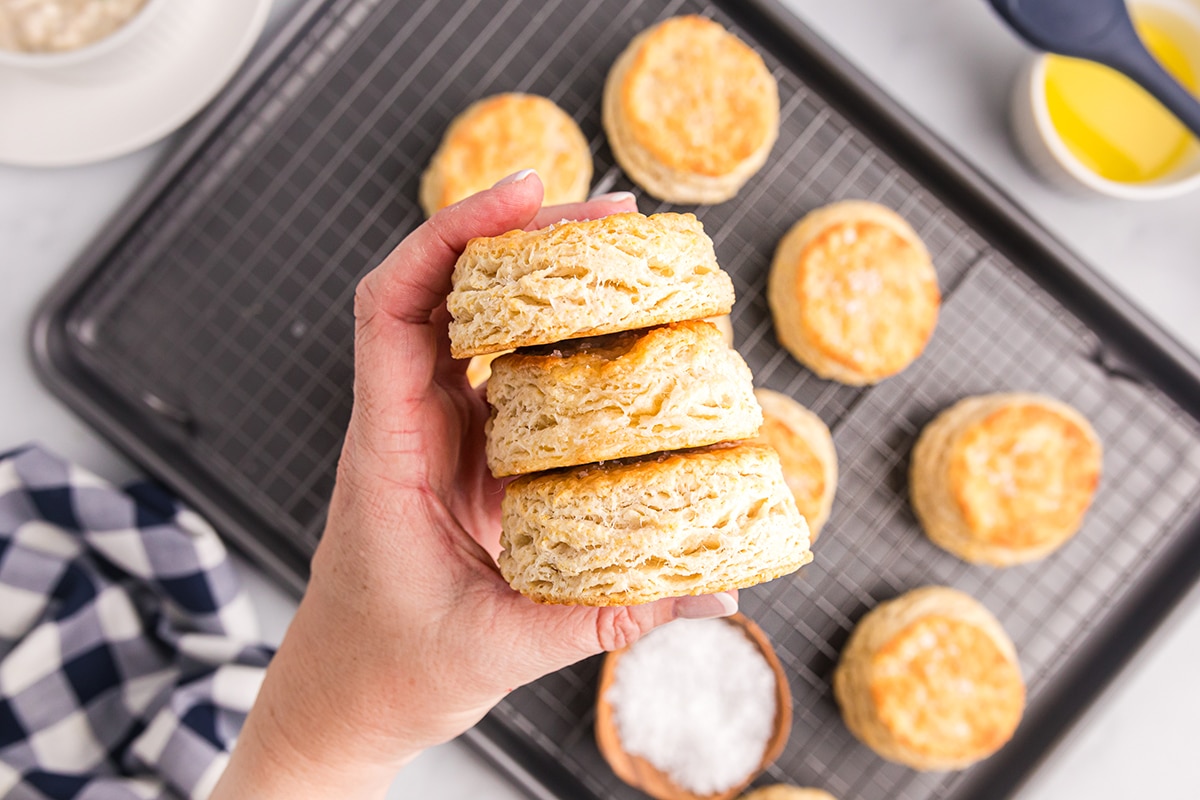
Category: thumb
[414,279]
[558,636]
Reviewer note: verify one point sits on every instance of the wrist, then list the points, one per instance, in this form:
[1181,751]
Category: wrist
[266,765]
[302,737]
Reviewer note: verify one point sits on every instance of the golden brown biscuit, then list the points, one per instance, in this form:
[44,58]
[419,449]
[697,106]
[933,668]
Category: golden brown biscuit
[586,278]
[691,111]
[503,134]
[1003,479]
[806,452]
[930,680]
[625,394]
[782,791]
[853,292]
[628,532]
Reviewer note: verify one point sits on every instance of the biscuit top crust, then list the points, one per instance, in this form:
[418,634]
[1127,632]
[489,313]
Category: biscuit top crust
[698,98]
[802,469]
[583,278]
[782,791]
[508,132]
[656,239]
[869,296]
[588,480]
[597,351]
[944,688]
[1024,474]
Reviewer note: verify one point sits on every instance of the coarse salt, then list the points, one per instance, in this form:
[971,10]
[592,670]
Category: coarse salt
[695,698]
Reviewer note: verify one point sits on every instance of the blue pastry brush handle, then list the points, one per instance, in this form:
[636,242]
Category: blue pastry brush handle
[1143,68]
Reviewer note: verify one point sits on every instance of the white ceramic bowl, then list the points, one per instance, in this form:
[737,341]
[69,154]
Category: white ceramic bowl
[115,41]
[1039,141]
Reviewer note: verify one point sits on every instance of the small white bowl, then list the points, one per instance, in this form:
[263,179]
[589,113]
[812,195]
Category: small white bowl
[1039,141]
[113,42]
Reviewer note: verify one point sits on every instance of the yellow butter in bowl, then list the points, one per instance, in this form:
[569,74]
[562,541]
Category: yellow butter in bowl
[1109,123]
[1082,126]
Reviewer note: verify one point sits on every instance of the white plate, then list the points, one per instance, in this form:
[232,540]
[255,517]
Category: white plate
[132,96]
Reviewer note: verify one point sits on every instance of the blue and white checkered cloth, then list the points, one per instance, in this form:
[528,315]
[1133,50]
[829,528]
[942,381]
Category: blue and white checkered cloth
[128,654]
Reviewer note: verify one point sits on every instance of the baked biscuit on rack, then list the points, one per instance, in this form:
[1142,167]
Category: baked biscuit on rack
[806,452]
[672,387]
[627,532]
[499,135]
[930,680]
[853,292]
[690,110]
[1003,479]
[585,278]
[783,791]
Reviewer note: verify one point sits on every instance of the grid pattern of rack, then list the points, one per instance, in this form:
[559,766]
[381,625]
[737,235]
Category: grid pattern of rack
[244,273]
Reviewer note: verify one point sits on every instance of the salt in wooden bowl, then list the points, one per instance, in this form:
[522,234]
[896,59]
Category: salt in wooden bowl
[641,774]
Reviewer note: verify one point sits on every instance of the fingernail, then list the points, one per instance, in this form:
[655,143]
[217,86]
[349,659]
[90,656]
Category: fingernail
[516,177]
[615,197]
[705,606]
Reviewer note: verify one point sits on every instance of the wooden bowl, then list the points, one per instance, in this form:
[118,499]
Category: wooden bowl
[641,774]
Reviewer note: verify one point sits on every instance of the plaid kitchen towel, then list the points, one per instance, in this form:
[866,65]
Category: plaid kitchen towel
[128,653]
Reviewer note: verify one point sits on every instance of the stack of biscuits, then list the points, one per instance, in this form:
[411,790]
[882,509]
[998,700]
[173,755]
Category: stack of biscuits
[624,413]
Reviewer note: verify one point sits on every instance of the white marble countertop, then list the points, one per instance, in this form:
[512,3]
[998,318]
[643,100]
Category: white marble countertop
[951,64]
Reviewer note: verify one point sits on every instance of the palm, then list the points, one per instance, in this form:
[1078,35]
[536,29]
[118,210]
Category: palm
[455,455]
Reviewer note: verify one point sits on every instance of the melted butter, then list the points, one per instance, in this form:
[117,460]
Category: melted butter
[1109,123]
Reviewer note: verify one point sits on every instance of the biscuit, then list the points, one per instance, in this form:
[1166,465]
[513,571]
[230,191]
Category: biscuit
[584,278]
[853,293]
[690,110]
[930,680]
[499,135]
[625,394]
[1003,479]
[782,791]
[628,532]
[479,369]
[725,325]
[806,452]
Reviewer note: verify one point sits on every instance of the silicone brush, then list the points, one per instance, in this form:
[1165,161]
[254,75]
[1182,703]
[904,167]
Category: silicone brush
[1100,31]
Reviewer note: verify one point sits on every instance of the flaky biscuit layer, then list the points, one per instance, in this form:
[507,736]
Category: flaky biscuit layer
[586,278]
[622,533]
[625,394]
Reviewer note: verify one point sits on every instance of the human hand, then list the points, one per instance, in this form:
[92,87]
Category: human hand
[408,634]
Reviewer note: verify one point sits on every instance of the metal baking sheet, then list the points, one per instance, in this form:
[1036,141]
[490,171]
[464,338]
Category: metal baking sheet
[210,337]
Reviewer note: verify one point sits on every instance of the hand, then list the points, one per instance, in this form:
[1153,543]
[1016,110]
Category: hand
[408,634]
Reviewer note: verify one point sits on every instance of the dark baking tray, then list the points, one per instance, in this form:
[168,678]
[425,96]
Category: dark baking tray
[208,334]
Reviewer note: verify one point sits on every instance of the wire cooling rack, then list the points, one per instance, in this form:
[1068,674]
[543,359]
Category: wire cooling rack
[223,319]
